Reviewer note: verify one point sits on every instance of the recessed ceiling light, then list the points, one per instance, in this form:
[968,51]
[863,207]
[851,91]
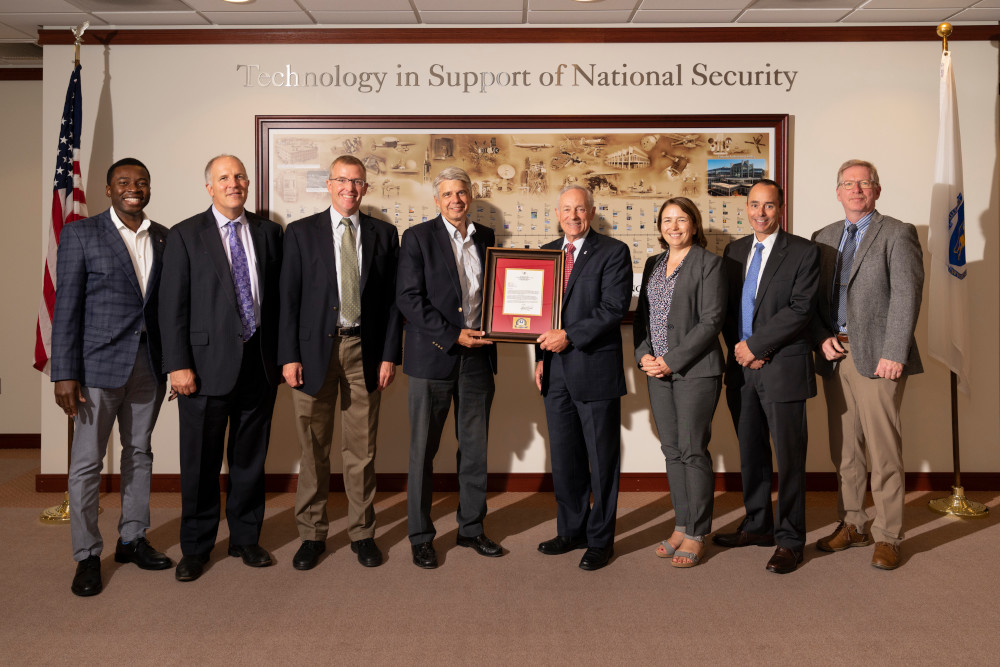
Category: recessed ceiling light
[238,2]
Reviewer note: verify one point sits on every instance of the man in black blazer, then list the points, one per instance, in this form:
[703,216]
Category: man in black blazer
[580,372]
[219,322]
[773,281]
[440,295]
[339,332]
[106,365]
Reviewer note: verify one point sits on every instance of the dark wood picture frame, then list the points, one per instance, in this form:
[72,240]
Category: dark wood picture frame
[523,327]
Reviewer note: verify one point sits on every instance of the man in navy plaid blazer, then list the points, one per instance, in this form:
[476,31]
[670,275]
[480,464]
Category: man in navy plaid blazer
[106,365]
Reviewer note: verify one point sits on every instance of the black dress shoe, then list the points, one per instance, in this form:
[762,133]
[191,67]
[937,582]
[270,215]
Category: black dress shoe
[483,545]
[142,553]
[252,554]
[595,558]
[368,552]
[561,545]
[87,580]
[742,538]
[308,554]
[784,560]
[190,567]
[424,555]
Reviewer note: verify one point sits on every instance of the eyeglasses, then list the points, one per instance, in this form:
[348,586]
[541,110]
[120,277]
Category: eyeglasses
[358,182]
[865,185]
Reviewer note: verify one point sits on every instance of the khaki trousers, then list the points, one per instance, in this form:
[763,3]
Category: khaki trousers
[863,414]
[314,419]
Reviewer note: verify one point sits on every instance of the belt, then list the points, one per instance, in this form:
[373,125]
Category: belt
[345,332]
[842,337]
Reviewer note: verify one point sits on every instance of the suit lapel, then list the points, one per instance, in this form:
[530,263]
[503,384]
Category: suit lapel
[367,247]
[159,242]
[874,228]
[774,259]
[590,246]
[113,239]
[212,240]
[326,248]
[440,231]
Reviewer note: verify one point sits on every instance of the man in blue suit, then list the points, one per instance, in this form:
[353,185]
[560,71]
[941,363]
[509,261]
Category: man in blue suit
[106,365]
[580,373]
[439,292]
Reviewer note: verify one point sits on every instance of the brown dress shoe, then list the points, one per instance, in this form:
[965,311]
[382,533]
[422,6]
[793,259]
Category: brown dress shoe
[845,536]
[784,560]
[886,556]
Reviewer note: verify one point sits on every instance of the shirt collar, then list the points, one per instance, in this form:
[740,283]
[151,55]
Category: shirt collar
[121,225]
[222,220]
[577,243]
[862,223]
[336,217]
[470,228]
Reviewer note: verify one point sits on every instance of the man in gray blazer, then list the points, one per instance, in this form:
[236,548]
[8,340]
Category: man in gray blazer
[872,275]
[106,365]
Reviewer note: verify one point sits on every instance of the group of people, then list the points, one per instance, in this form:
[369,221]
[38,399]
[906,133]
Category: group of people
[225,305]
[850,296]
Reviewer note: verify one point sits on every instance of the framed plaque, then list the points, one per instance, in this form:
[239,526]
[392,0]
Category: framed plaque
[522,293]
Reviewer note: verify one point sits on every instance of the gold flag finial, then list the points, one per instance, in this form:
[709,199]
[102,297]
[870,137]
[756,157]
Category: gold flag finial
[77,39]
[944,32]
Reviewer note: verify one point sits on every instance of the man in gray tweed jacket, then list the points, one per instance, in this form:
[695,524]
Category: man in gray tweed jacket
[871,278]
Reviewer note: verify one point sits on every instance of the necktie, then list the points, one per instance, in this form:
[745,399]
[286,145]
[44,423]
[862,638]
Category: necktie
[350,279]
[568,264]
[750,293]
[838,309]
[241,280]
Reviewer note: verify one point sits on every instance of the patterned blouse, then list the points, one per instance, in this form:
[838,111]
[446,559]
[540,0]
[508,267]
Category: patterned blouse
[660,292]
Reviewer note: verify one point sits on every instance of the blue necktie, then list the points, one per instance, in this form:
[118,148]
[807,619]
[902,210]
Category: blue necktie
[838,309]
[241,280]
[750,293]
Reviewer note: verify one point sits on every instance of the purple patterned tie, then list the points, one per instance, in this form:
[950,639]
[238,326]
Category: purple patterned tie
[241,280]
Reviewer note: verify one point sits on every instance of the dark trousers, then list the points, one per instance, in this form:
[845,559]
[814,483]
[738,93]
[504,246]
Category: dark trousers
[470,388]
[757,421]
[585,445]
[246,411]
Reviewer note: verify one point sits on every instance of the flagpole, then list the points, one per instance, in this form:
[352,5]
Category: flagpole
[59,514]
[956,504]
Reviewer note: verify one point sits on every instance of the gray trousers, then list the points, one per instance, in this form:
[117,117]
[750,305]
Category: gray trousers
[683,409]
[136,406]
[471,390]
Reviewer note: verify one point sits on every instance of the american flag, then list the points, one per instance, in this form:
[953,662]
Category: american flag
[68,204]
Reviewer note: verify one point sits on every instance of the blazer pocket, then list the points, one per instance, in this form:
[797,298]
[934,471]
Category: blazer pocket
[94,335]
[199,338]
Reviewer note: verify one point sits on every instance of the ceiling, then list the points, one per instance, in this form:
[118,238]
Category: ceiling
[21,19]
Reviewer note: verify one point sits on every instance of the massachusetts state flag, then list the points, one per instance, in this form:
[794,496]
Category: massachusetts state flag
[948,326]
[68,204]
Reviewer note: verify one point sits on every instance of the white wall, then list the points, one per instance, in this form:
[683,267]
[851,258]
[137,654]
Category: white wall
[174,107]
[20,271]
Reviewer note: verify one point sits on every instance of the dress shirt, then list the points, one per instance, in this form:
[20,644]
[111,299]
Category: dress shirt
[338,235]
[768,245]
[248,248]
[470,273]
[577,244]
[862,225]
[140,248]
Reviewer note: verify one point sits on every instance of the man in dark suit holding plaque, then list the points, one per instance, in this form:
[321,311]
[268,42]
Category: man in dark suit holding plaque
[580,372]
[340,334]
[439,291]
[106,365]
[219,319]
[773,278]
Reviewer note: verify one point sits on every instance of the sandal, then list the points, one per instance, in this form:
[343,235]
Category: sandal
[693,559]
[665,550]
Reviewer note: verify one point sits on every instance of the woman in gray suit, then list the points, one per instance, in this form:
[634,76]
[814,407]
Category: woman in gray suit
[679,316]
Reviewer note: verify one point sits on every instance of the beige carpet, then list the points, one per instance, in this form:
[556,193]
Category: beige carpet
[941,607]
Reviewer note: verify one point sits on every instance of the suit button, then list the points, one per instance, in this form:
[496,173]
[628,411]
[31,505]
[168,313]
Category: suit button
[329,335]
[670,326]
[459,309]
[335,308]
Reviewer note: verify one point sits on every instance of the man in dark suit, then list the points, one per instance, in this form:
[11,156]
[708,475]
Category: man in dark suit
[339,332]
[773,277]
[106,365]
[581,375]
[440,295]
[871,280]
[219,318]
